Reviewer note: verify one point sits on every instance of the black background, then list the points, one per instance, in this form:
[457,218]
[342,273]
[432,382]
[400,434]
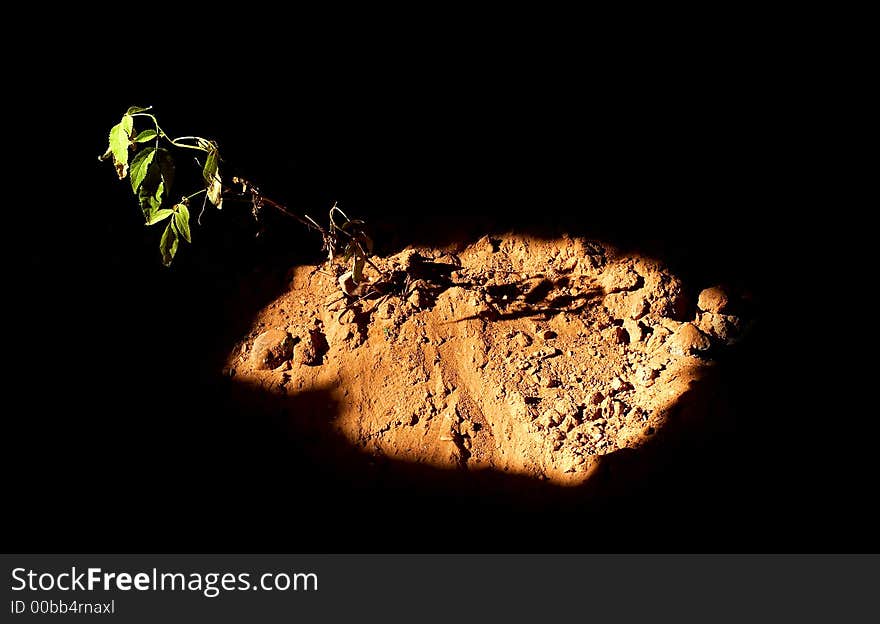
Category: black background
[120,438]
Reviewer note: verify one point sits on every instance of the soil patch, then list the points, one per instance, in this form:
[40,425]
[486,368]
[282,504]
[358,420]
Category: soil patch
[513,354]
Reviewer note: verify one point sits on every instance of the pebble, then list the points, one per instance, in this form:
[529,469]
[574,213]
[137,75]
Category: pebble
[644,374]
[713,300]
[618,384]
[638,308]
[722,327]
[564,406]
[547,352]
[385,309]
[522,340]
[687,340]
[634,330]
[271,349]
[479,358]
[306,350]
[658,337]
[619,278]
[549,418]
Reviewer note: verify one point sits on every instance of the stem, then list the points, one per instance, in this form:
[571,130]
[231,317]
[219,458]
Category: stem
[258,198]
[189,197]
[174,142]
[293,215]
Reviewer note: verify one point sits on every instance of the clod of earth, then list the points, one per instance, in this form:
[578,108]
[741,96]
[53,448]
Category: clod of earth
[271,349]
[533,356]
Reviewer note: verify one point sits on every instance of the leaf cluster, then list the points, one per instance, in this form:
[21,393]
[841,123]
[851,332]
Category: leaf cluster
[146,159]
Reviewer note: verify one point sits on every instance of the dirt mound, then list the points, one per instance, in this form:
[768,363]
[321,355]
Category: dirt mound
[515,354]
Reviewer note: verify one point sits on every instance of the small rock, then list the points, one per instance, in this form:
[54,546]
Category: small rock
[522,340]
[564,406]
[549,382]
[617,304]
[548,334]
[618,278]
[548,418]
[687,340]
[568,265]
[638,308]
[619,335]
[713,300]
[634,330]
[568,424]
[645,374]
[658,337]
[596,397]
[271,349]
[547,352]
[479,358]
[385,309]
[722,327]
[618,385]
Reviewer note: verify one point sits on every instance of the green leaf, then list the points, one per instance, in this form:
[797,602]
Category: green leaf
[140,167]
[211,167]
[181,221]
[120,139]
[213,181]
[146,135]
[155,174]
[159,194]
[168,244]
[150,200]
[136,109]
[159,216]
